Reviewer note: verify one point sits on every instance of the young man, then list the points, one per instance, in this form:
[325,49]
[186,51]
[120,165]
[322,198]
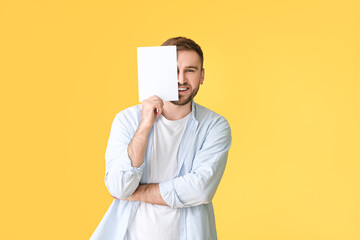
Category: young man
[164,162]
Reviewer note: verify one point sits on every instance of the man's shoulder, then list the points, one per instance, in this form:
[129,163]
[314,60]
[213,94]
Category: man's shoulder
[130,114]
[204,114]
[212,123]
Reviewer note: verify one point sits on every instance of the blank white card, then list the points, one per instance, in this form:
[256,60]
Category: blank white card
[157,72]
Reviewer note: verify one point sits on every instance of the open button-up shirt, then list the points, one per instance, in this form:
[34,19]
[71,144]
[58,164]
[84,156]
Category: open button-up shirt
[202,158]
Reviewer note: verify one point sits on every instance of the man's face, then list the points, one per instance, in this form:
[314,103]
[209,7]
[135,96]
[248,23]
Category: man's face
[190,76]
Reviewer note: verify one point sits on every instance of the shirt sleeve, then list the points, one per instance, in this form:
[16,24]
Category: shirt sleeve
[121,178]
[199,186]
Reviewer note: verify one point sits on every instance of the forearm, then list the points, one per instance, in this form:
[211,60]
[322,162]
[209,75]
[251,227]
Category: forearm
[137,146]
[148,193]
[151,107]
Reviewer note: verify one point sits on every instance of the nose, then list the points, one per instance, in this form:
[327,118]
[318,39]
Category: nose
[181,77]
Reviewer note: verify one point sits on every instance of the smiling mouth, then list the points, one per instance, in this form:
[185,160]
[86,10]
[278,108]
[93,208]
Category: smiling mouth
[183,89]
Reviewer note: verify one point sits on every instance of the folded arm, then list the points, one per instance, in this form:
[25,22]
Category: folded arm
[149,193]
[198,186]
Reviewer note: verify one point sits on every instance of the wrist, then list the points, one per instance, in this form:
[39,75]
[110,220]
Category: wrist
[137,195]
[146,126]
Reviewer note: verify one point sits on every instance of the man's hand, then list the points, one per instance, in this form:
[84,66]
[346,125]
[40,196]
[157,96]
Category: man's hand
[151,107]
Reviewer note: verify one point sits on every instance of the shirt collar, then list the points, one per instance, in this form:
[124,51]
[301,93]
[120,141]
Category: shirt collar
[193,110]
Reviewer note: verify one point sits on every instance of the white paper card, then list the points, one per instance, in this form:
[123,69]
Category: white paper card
[157,72]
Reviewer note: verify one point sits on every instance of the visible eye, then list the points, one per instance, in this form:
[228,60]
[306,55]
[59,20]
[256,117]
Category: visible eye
[189,70]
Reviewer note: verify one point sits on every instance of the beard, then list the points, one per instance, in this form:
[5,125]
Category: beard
[183,100]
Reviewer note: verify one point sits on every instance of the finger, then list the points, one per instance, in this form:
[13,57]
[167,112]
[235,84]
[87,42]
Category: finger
[160,101]
[160,110]
[157,99]
[157,102]
[154,98]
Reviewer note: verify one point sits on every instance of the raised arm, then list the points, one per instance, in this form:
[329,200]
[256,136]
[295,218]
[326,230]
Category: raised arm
[150,108]
[125,152]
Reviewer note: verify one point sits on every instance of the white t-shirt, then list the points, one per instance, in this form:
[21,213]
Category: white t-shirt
[152,221]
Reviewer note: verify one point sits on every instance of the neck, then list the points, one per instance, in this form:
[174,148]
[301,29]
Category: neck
[176,112]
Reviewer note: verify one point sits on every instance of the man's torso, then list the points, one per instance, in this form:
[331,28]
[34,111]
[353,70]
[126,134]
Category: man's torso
[157,222]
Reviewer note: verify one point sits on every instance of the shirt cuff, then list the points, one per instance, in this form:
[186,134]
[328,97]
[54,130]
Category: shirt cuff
[168,193]
[136,170]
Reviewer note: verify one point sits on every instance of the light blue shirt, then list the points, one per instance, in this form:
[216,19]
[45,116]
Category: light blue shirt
[202,158]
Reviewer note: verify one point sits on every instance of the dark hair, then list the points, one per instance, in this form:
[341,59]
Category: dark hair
[183,43]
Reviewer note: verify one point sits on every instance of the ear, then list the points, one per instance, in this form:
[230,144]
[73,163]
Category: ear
[202,77]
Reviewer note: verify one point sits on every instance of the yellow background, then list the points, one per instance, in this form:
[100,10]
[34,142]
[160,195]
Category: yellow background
[284,73]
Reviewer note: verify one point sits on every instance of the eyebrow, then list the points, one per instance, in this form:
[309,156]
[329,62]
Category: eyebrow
[192,67]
